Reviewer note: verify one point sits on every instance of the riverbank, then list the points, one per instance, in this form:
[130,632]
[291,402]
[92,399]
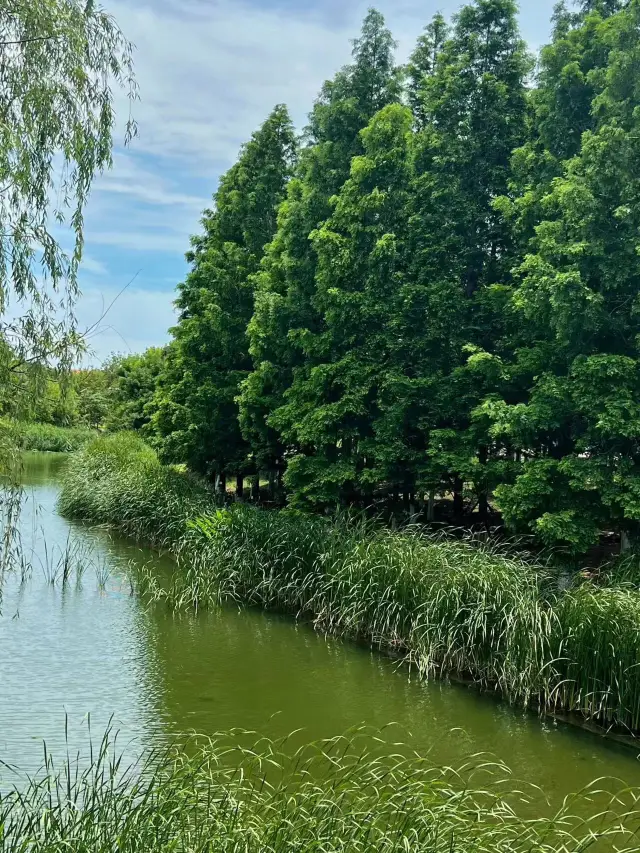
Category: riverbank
[449,607]
[337,795]
[47,437]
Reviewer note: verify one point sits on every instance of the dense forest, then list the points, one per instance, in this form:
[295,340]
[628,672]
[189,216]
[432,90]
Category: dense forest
[432,296]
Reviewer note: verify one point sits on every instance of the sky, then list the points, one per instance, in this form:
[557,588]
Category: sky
[209,72]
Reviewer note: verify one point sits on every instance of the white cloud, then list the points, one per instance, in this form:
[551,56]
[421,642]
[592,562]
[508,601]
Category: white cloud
[140,240]
[209,72]
[132,176]
[93,266]
[124,322]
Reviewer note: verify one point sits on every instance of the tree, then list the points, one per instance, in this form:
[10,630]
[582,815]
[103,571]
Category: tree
[88,390]
[197,415]
[330,411]
[578,301]
[60,60]
[453,318]
[423,63]
[285,285]
[131,383]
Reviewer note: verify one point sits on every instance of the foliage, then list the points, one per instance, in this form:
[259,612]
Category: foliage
[196,418]
[61,59]
[579,421]
[285,312]
[339,795]
[90,390]
[131,382]
[444,305]
[331,410]
[448,606]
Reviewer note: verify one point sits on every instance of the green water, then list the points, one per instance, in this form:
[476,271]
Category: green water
[89,647]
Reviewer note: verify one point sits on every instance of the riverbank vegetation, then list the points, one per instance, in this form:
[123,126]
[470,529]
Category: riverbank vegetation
[344,794]
[112,397]
[450,607]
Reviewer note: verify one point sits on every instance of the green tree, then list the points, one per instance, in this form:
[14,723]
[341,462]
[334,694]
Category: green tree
[423,63]
[130,387]
[331,410]
[578,428]
[196,420]
[461,250]
[285,313]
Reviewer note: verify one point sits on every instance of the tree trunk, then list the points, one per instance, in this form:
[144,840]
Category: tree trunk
[483,507]
[222,484]
[630,541]
[483,500]
[272,484]
[458,500]
[255,487]
[240,487]
[431,506]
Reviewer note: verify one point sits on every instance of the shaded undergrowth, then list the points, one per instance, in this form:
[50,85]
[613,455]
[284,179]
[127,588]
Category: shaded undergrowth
[467,609]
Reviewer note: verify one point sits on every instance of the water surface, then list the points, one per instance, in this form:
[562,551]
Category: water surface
[87,646]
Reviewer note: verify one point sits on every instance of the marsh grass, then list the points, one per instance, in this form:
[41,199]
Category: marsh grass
[118,480]
[467,609]
[46,437]
[61,564]
[232,793]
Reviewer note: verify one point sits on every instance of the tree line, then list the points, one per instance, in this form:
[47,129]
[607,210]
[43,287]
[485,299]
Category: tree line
[433,294]
[114,397]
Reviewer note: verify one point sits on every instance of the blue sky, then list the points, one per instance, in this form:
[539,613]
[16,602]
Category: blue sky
[209,73]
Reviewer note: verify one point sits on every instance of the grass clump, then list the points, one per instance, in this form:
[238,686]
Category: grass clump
[118,480]
[597,654]
[449,607]
[46,437]
[334,796]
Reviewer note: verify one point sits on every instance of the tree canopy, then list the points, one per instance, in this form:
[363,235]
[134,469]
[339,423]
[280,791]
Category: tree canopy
[437,298]
[196,417]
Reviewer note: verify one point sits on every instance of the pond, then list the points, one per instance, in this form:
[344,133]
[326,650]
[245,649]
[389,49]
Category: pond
[88,649]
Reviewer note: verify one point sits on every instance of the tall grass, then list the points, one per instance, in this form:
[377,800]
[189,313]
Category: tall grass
[338,796]
[449,607]
[46,437]
[118,480]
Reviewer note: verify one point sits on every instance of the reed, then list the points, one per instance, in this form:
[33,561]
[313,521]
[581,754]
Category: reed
[344,794]
[118,480]
[466,609]
[46,437]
